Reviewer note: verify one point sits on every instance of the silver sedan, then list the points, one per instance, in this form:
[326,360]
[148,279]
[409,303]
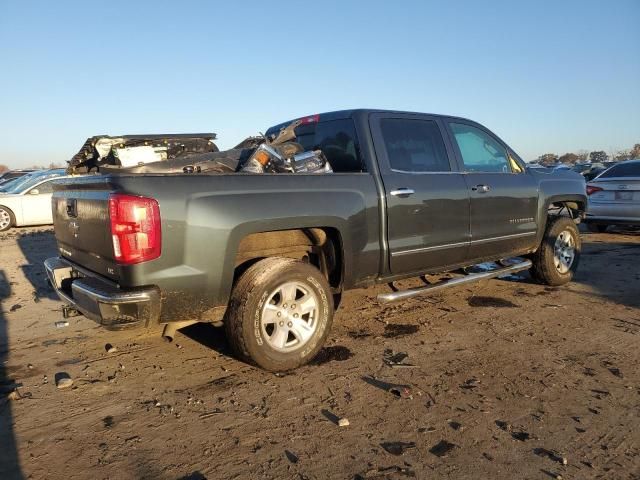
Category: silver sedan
[614,197]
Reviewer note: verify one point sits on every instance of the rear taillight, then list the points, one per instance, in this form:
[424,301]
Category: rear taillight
[135,228]
[592,189]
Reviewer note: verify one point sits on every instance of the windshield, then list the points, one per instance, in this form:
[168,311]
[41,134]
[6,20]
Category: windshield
[28,181]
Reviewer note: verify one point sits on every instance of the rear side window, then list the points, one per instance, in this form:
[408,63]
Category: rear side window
[414,145]
[623,170]
[480,151]
[45,187]
[338,141]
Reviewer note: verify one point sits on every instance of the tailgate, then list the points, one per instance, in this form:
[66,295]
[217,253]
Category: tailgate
[81,222]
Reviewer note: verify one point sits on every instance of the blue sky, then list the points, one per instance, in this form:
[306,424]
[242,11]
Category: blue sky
[547,76]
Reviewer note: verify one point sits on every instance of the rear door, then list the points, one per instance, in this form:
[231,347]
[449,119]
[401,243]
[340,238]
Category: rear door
[504,196]
[427,198]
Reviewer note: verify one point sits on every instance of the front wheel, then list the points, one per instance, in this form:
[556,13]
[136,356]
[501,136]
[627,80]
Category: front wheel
[280,314]
[7,220]
[557,258]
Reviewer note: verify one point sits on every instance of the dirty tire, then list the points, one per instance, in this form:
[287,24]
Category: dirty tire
[544,268]
[7,219]
[250,339]
[597,227]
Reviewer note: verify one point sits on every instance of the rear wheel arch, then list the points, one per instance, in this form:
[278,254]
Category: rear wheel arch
[319,246]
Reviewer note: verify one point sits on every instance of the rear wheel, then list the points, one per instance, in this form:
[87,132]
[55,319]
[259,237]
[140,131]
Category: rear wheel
[7,220]
[597,227]
[558,256]
[280,314]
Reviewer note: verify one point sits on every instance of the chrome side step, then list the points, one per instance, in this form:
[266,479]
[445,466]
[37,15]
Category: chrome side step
[472,277]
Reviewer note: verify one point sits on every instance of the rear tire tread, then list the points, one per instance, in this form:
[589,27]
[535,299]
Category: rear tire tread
[239,307]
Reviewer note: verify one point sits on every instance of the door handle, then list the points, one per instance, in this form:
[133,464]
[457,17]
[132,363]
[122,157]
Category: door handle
[402,192]
[72,208]
[481,188]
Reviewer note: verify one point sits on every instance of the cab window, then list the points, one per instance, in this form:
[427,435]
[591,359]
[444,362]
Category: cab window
[414,146]
[336,138]
[480,151]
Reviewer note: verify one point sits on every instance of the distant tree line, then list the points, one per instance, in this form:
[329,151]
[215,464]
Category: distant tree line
[582,156]
[4,168]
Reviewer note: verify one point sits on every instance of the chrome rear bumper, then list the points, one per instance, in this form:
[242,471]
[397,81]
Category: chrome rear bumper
[102,300]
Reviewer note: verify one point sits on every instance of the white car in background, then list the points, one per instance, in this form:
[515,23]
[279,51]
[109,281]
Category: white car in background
[614,197]
[28,201]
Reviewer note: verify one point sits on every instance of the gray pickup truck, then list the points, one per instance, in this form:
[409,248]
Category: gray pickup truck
[269,255]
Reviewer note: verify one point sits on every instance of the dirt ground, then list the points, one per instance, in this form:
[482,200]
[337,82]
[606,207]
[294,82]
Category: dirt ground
[505,379]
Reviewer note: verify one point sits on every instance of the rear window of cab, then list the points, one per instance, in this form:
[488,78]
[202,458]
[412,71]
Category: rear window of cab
[337,139]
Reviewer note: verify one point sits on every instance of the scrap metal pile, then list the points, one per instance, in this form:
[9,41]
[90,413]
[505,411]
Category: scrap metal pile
[197,153]
[283,155]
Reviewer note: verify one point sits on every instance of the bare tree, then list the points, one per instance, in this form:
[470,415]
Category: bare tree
[583,155]
[548,159]
[598,156]
[569,158]
[3,168]
[622,155]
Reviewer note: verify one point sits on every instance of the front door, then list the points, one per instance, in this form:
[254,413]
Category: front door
[427,198]
[504,196]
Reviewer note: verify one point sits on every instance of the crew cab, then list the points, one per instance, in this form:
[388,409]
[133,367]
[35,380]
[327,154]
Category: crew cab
[268,255]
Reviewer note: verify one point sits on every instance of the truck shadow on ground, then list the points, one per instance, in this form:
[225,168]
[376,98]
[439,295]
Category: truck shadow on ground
[9,460]
[602,255]
[611,269]
[208,336]
[36,247]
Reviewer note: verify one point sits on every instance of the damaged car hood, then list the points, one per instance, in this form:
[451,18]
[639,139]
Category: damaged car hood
[136,150]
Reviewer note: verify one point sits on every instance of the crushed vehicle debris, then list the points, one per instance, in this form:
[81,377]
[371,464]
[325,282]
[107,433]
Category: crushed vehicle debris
[104,152]
[282,155]
[197,153]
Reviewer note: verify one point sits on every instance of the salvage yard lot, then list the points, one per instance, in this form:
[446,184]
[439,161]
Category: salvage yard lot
[505,379]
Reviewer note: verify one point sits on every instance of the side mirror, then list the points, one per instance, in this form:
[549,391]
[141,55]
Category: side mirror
[35,191]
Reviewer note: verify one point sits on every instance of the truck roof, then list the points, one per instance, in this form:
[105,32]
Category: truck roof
[353,112]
